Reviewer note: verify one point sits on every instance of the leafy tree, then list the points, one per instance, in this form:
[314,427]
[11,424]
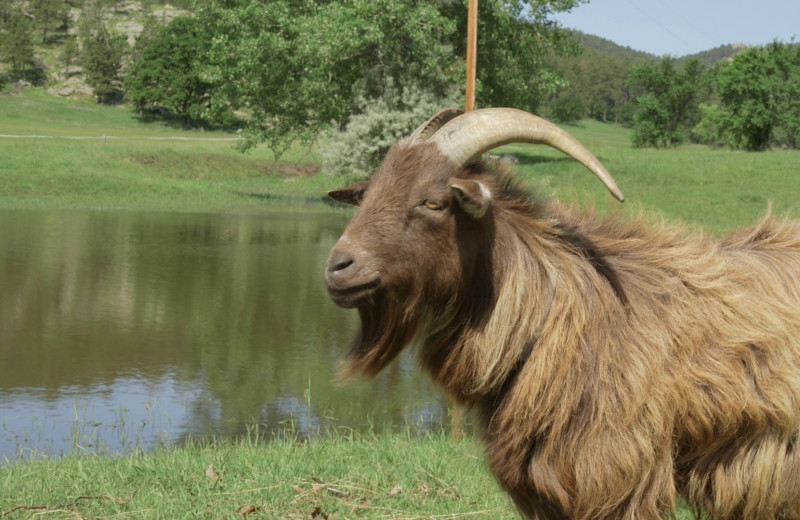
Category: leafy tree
[669,105]
[166,72]
[607,90]
[759,95]
[6,9]
[102,60]
[16,45]
[787,59]
[707,130]
[68,54]
[297,66]
[599,81]
[515,39]
[567,108]
[150,27]
[47,14]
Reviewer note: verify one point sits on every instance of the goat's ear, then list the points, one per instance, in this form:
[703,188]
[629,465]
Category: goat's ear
[473,196]
[352,194]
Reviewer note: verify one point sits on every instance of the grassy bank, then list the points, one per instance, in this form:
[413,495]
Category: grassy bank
[126,163]
[389,477]
[717,190]
[75,154]
[377,477]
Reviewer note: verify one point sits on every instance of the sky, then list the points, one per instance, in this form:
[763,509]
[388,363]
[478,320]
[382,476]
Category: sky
[681,27]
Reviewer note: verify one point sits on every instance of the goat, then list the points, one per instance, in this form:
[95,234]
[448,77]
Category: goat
[612,364]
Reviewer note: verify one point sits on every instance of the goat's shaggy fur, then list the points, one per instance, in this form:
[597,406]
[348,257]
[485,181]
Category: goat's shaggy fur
[612,365]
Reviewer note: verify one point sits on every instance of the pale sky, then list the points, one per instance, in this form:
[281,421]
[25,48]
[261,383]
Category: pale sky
[681,27]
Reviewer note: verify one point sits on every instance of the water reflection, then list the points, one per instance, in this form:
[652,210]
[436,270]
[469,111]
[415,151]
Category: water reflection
[124,329]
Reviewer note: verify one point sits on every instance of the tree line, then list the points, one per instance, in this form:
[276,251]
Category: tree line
[283,70]
[748,101]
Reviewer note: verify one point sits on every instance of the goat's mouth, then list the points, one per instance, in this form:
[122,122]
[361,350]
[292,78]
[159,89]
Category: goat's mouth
[353,295]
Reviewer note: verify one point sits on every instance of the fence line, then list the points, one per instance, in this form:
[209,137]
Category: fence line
[104,137]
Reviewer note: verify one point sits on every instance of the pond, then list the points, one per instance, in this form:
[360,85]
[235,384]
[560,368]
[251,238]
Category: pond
[127,330]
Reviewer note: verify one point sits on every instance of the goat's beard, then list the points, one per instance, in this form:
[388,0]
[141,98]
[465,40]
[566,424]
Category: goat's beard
[388,324]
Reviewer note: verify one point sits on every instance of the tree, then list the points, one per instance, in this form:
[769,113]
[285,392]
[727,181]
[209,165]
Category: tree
[6,9]
[166,72]
[668,107]
[102,60]
[16,44]
[150,27]
[599,81]
[68,53]
[759,96]
[567,108]
[515,40]
[47,14]
[297,66]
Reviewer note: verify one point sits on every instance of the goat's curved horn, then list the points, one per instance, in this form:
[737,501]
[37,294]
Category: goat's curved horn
[432,125]
[466,137]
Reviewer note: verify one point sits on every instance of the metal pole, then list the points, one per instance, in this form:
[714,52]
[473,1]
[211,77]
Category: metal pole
[472,51]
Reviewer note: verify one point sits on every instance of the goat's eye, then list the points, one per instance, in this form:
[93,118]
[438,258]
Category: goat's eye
[433,204]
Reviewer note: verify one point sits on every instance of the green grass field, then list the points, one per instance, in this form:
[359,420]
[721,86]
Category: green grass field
[131,164]
[79,154]
[389,477]
[394,476]
[717,190]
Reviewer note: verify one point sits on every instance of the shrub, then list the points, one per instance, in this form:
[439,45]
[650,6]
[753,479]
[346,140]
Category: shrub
[567,108]
[356,151]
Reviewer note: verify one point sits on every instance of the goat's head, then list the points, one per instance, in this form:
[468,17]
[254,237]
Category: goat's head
[424,224]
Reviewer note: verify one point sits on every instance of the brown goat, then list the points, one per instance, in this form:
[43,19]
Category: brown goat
[612,365]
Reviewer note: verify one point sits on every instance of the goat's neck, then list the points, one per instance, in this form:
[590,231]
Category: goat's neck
[476,347]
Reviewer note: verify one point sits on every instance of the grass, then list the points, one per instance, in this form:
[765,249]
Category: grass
[390,477]
[168,176]
[398,477]
[717,190]
[136,167]
[124,163]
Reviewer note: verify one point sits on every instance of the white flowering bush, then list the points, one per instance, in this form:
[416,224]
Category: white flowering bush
[358,149]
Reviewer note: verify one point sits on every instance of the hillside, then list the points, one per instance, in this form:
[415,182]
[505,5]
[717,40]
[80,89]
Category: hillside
[126,18]
[603,46]
[711,57]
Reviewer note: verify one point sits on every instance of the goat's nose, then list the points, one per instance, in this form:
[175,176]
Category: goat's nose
[339,260]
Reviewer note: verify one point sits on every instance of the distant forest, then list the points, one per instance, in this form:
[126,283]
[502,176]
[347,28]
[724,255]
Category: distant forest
[731,96]
[598,83]
[603,46]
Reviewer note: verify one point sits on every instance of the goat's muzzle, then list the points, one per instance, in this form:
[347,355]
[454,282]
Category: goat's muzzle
[349,278]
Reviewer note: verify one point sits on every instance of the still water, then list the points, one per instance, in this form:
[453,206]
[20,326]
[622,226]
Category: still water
[127,330]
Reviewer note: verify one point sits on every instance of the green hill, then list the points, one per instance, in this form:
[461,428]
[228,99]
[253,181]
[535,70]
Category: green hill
[711,57]
[604,46]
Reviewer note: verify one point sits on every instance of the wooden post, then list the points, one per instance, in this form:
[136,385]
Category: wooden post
[457,418]
[472,51]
